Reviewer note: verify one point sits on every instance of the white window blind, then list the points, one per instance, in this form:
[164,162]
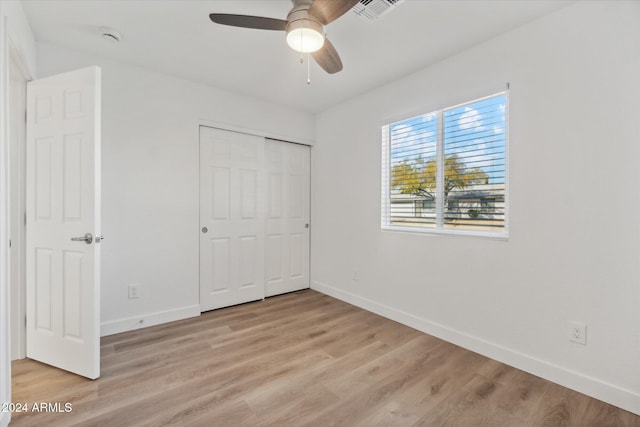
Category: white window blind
[446,171]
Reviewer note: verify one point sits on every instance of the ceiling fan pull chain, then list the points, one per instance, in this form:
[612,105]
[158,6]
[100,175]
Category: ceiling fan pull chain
[308,70]
[302,45]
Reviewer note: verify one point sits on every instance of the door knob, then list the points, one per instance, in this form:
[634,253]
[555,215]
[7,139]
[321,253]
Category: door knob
[205,229]
[306,226]
[87,238]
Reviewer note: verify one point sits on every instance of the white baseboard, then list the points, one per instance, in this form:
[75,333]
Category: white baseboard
[150,319]
[601,390]
[5,417]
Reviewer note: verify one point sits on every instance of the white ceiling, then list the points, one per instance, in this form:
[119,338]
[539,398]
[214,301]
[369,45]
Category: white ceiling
[176,37]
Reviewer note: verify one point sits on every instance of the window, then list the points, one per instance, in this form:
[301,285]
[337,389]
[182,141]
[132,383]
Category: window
[487,205]
[426,207]
[445,171]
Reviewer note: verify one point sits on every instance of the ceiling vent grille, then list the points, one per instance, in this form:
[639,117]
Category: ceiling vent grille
[370,10]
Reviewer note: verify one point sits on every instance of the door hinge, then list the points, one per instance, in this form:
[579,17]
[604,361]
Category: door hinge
[9,243]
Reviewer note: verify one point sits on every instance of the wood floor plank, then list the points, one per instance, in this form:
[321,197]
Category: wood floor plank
[383,390]
[300,359]
[449,370]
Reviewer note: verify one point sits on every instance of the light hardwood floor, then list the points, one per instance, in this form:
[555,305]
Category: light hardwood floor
[301,359]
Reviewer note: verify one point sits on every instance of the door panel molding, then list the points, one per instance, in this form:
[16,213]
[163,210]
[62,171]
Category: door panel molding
[63,205]
[254,217]
[231,225]
[288,216]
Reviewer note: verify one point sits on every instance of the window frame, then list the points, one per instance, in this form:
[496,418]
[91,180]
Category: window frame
[439,229]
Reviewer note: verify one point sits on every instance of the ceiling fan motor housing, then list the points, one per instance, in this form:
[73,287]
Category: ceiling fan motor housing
[304,32]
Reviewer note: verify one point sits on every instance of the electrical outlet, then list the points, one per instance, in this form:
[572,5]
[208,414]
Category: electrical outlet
[134,291]
[577,332]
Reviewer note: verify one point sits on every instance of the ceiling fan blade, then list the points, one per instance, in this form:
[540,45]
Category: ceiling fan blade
[247,21]
[327,57]
[330,10]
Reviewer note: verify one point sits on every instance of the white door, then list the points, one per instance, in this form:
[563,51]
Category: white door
[63,206]
[231,218]
[287,217]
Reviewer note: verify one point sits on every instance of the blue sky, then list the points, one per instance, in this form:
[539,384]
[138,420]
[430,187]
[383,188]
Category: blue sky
[474,131]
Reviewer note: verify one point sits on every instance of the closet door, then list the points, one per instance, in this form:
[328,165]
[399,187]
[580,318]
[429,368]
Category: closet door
[287,217]
[231,218]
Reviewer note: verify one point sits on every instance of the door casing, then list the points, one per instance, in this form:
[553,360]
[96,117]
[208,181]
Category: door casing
[18,77]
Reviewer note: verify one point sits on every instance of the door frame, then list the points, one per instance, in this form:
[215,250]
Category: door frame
[10,49]
[17,256]
[240,129]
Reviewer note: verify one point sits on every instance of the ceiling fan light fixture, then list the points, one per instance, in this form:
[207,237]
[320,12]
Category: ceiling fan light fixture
[305,35]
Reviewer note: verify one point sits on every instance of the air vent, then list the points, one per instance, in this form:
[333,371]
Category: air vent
[370,10]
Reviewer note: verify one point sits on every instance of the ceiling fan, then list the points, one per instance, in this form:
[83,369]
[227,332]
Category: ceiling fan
[304,27]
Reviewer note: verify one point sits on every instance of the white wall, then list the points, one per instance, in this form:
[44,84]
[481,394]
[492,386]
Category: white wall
[150,181]
[574,246]
[16,34]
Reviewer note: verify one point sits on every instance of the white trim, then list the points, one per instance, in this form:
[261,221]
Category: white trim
[494,235]
[239,129]
[440,164]
[385,204]
[507,167]
[146,320]
[18,310]
[5,329]
[594,387]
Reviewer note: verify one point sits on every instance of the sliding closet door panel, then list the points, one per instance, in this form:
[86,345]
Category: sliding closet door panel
[287,217]
[231,218]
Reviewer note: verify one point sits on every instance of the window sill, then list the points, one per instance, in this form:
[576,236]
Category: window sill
[492,235]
